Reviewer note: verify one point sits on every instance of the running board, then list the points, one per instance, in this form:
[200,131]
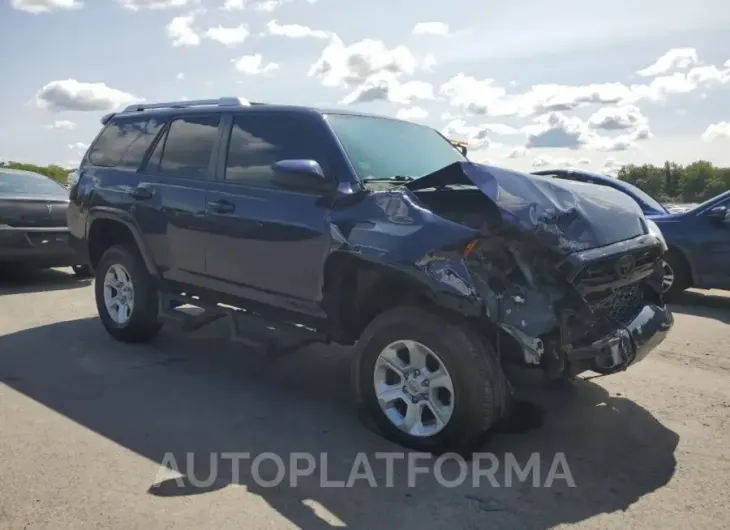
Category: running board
[246,328]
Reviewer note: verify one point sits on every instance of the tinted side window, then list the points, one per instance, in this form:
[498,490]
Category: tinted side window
[259,140]
[124,142]
[187,147]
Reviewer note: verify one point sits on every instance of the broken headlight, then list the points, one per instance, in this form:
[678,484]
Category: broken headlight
[657,233]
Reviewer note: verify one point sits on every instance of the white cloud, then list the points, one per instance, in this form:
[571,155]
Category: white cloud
[180,30]
[544,161]
[254,65]
[488,98]
[517,152]
[61,124]
[295,31]
[37,7]
[431,28]
[429,62]
[674,59]
[385,86]
[371,71]
[228,36]
[79,146]
[70,94]
[268,6]
[611,166]
[138,5]
[617,118]
[555,130]
[412,114]
[234,5]
[717,131]
[180,76]
[477,136]
[349,66]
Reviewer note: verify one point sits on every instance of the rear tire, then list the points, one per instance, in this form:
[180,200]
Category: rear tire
[480,391]
[123,266]
[675,266]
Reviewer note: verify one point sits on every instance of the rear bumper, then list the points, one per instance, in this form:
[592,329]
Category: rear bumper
[47,247]
[629,344]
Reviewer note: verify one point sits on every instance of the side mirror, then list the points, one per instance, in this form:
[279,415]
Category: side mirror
[299,175]
[719,214]
[463,150]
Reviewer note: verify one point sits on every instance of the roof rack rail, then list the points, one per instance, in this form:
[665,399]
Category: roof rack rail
[220,102]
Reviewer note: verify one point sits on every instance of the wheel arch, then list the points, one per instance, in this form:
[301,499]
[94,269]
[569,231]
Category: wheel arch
[107,228]
[689,266]
[357,289]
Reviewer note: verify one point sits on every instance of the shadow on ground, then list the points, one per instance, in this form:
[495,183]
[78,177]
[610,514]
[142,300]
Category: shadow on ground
[14,280]
[198,395]
[703,304]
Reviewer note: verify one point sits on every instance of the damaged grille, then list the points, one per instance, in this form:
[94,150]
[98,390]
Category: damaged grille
[608,270]
[614,308]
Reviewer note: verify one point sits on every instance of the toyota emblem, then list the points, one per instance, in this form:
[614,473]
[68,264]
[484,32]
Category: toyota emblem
[50,208]
[625,266]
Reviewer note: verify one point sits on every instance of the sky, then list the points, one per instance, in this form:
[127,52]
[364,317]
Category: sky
[528,84]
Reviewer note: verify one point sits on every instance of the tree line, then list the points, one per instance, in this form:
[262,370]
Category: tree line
[57,173]
[695,182]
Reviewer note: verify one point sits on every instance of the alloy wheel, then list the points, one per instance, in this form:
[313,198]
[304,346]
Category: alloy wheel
[414,389]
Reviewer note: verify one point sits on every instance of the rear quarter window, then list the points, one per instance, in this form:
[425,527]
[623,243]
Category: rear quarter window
[124,142]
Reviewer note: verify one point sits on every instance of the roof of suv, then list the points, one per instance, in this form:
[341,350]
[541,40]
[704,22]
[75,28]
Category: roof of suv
[225,104]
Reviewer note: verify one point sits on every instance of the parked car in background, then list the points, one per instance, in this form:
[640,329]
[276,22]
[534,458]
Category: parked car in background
[649,205]
[366,231]
[33,230]
[699,246]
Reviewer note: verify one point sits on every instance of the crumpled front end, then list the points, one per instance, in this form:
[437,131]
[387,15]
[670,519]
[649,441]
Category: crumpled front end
[571,273]
[599,309]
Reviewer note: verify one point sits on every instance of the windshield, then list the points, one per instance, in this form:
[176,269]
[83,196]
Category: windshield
[645,197]
[381,148]
[12,183]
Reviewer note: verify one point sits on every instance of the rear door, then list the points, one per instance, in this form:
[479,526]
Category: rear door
[170,196]
[269,244]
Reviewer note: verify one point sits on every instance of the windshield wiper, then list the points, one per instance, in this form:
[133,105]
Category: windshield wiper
[394,178]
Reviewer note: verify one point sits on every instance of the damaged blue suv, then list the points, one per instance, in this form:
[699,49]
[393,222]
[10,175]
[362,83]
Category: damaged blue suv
[300,225]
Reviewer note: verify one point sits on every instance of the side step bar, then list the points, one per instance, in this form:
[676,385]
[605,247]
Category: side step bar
[246,328]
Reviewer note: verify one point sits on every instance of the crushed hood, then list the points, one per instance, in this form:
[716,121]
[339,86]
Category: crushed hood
[569,216]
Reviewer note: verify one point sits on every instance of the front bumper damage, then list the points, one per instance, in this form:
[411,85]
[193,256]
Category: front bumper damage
[627,345]
[580,313]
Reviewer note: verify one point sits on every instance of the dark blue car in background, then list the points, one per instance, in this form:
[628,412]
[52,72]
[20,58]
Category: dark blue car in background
[698,239]
[699,246]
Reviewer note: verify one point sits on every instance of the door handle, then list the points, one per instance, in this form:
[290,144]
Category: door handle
[142,192]
[221,206]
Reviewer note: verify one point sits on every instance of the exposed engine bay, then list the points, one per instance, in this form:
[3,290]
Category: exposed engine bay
[573,295]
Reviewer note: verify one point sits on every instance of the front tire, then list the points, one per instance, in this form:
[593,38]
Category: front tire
[126,297]
[428,383]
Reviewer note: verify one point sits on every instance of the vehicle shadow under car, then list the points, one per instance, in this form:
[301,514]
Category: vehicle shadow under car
[17,279]
[201,395]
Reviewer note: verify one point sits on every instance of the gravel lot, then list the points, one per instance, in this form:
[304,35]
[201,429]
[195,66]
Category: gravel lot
[86,422]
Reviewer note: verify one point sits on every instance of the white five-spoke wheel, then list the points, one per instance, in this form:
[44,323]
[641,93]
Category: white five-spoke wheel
[428,381]
[119,294]
[414,388]
[126,295]
[668,278]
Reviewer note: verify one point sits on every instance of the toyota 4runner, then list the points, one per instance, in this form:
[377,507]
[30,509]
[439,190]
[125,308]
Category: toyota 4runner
[301,225]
